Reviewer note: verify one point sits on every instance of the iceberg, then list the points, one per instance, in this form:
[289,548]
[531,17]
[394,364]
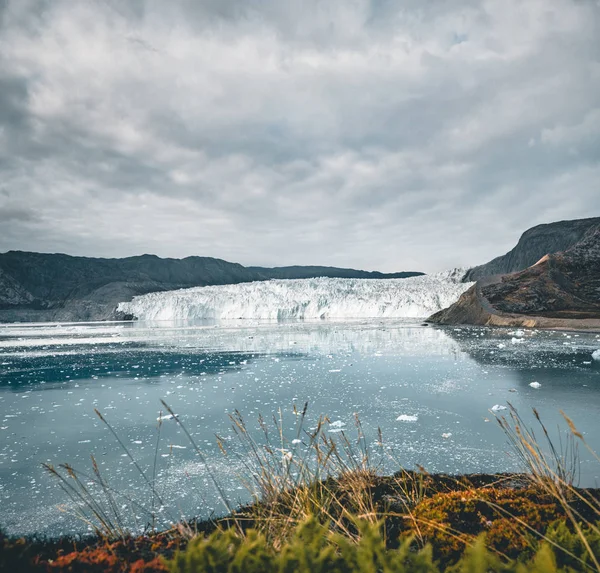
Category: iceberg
[407,418]
[317,298]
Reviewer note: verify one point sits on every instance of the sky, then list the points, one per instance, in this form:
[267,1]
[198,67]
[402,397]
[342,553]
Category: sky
[380,135]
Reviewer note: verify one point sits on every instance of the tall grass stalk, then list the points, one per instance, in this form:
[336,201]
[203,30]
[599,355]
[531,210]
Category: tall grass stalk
[555,469]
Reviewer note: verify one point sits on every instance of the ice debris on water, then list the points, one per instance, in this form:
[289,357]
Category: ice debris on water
[596,354]
[498,407]
[167,417]
[535,385]
[337,424]
[407,418]
[446,435]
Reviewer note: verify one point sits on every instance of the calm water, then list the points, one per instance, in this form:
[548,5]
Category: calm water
[440,382]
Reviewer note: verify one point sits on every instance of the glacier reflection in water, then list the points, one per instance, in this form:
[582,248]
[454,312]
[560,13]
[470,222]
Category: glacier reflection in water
[429,389]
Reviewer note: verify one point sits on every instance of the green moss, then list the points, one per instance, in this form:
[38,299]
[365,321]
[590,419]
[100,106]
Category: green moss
[314,548]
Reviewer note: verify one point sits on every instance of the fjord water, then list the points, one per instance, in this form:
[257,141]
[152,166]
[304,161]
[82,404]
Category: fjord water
[429,389]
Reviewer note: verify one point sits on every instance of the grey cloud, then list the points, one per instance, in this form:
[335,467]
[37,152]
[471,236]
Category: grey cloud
[347,133]
[16,214]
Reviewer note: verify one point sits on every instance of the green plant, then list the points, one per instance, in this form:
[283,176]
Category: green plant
[553,470]
[314,547]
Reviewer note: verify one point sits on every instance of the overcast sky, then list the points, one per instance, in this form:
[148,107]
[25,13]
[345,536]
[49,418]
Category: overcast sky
[383,135]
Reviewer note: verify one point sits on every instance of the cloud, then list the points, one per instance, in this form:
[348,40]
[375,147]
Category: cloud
[363,133]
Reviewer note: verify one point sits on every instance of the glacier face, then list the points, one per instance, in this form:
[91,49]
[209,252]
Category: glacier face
[318,298]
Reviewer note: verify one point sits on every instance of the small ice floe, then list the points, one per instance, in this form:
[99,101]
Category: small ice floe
[587,362]
[296,441]
[336,370]
[596,354]
[407,418]
[446,435]
[501,345]
[535,385]
[337,424]
[167,417]
[514,340]
[174,447]
[498,407]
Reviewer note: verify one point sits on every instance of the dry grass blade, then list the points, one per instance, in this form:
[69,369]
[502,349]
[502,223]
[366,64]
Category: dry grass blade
[554,473]
[209,471]
[133,460]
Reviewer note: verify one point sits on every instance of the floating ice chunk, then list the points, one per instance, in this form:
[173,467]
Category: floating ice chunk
[336,370]
[446,435]
[535,385]
[296,441]
[498,407]
[407,418]
[514,340]
[178,447]
[337,424]
[501,345]
[167,417]
[596,354]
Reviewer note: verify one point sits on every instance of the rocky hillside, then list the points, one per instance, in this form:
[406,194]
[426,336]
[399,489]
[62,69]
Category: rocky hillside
[561,289]
[38,286]
[533,245]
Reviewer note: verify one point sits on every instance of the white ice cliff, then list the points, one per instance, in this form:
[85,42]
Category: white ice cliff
[304,299]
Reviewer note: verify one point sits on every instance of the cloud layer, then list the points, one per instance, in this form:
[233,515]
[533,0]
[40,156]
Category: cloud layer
[379,135]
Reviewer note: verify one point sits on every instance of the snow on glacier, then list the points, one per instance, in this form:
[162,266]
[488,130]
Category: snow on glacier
[316,298]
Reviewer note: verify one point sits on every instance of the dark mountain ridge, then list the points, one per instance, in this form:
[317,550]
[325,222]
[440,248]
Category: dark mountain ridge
[559,290]
[533,245]
[41,286]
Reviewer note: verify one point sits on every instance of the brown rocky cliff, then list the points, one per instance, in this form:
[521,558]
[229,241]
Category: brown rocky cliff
[561,290]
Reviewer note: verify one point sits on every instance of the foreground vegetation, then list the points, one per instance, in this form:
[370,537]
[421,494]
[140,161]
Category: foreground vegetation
[321,505]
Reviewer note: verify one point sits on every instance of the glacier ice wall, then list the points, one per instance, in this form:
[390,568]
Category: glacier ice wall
[304,299]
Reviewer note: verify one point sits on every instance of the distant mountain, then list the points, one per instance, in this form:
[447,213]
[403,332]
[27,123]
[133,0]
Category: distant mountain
[41,287]
[533,245]
[560,290]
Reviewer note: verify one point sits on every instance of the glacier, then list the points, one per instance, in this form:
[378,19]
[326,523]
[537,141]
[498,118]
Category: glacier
[316,298]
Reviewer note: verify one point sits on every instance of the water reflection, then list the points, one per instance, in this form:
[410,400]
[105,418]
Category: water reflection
[430,391]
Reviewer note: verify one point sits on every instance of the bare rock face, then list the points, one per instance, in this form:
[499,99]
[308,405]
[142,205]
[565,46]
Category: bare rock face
[12,294]
[533,245]
[561,289]
[561,285]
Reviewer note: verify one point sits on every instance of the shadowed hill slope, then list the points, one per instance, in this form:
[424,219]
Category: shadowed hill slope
[39,286]
[533,245]
[561,290]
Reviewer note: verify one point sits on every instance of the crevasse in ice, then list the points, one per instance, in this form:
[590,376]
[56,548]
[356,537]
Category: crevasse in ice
[304,299]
